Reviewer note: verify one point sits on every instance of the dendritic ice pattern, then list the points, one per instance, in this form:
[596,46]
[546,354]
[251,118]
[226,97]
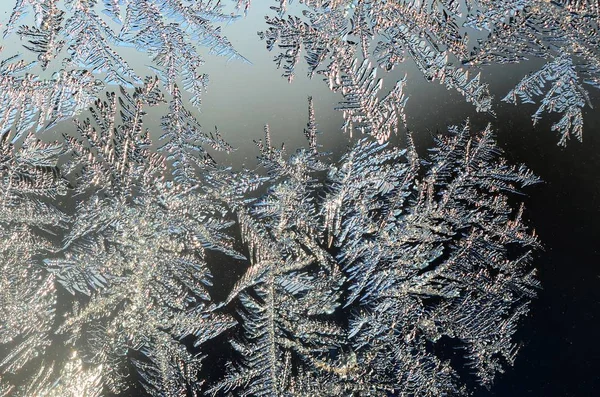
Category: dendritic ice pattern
[409,256]
[355,274]
[446,39]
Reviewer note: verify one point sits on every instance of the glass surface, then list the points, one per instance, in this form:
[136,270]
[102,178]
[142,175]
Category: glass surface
[364,198]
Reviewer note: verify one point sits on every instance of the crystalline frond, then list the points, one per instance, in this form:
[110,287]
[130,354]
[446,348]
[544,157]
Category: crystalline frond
[428,257]
[30,179]
[30,182]
[429,32]
[40,8]
[283,304]
[140,263]
[168,45]
[28,298]
[436,35]
[184,144]
[424,246]
[44,38]
[75,379]
[111,155]
[293,35]
[292,285]
[581,6]
[113,149]
[310,132]
[566,34]
[565,96]
[362,109]
[134,258]
[27,102]
[90,39]
[83,35]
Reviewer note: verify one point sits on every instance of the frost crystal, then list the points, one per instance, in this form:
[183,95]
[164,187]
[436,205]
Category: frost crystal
[87,35]
[27,102]
[445,40]
[133,256]
[427,261]
[422,249]
[142,267]
[292,285]
[362,109]
[566,96]
[361,275]
[30,181]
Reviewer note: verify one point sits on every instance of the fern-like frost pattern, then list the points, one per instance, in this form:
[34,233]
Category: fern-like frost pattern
[447,41]
[352,276]
[420,259]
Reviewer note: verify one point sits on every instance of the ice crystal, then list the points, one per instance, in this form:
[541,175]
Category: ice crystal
[131,297]
[564,32]
[361,274]
[446,40]
[362,109]
[182,142]
[30,181]
[88,35]
[113,150]
[424,251]
[292,285]
[130,305]
[428,260]
[414,254]
[74,380]
[337,33]
[114,155]
[566,96]
[142,264]
[28,102]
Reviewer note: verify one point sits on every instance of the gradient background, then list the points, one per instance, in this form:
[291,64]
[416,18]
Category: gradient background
[560,355]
